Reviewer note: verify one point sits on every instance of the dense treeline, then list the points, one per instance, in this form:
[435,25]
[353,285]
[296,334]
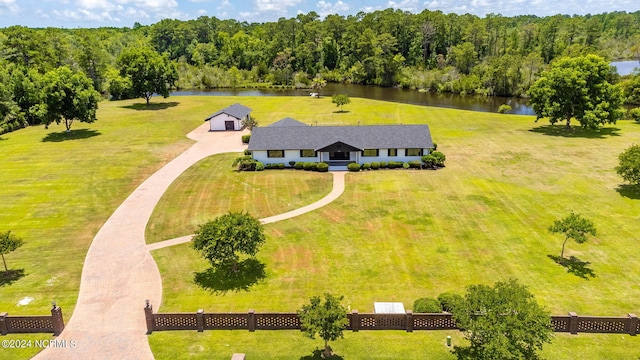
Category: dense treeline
[494,55]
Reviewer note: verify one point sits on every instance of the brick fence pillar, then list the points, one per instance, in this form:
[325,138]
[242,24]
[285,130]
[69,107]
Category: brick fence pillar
[4,327]
[56,320]
[355,321]
[251,320]
[633,324]
[200,320]
[573,323]
[409,321]
[148,314]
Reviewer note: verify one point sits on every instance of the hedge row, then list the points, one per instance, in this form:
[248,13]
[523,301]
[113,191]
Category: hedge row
[310,166]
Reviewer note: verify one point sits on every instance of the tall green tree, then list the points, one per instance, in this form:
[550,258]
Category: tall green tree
[502,322]
[577,88]
[69,96]
[8,243]
[326,319]
[573,227]
[629,165]
[150,72]
[221,240]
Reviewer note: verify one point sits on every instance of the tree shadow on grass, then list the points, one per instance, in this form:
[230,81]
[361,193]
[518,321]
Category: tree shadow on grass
[71,135]
[575,266]
[11,276]
[629,191]
[576,131]
[151,106]
[341,111]
[220,280]
[317,355]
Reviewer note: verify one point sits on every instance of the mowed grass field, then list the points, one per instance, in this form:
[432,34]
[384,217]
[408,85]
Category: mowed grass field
[393,235]
[397,235]
[212,187]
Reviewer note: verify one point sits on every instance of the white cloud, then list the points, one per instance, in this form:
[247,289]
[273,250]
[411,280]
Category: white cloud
[408,5]
[279,6]
[326,8]
[9,5]
[202,12]
[85,15]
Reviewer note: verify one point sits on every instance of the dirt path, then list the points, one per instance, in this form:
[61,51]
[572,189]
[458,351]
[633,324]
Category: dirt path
[119,273]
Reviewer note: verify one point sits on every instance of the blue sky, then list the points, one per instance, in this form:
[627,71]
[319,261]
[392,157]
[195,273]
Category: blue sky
[119,13]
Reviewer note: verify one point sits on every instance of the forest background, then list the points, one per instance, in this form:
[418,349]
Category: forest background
[429,51]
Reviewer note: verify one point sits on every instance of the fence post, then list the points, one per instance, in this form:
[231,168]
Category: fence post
[633,324]
[251,320]
[409,321]
[56,320]
[200,320]
[355,321]
[4,327]
[148,314]
[573,323]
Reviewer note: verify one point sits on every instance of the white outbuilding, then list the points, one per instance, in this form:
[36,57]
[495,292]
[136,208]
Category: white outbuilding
[229,118]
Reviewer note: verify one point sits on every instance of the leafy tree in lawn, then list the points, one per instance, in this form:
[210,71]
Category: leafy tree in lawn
[69,96]
[8,243]
[340,100]
[573,227]
[577,88]
[222,239]
[327,319]
[629,165]
[150,72]
[501,322]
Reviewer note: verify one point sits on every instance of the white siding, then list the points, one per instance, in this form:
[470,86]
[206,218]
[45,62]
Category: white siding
[217,123]
[294,155]
[383,155]
[289,155]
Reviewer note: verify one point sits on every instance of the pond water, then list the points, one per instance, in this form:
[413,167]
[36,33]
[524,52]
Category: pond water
[473,103]
[625,67]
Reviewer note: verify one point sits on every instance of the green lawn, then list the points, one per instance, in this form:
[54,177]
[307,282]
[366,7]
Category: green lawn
[397,235]
[393,235]
[212,187]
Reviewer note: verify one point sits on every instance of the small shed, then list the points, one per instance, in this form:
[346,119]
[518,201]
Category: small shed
[229,118]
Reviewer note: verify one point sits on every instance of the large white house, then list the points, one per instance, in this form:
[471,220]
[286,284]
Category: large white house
[229,118]
[291,140]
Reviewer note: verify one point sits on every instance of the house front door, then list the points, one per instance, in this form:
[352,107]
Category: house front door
[339,155]
[228,125]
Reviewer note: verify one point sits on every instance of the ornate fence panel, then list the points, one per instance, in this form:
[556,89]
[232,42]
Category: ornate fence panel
[226,321]
[277,321]
[29,324]
[382,321]
[181,321]
[433,322]
[600,324]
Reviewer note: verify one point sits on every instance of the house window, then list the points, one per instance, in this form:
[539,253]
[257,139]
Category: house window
[413,152]
[275,153]
[308,153]
[393,152]
[370,152]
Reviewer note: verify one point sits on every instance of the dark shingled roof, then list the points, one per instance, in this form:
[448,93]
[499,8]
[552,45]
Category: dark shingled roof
[287,122]
[360,137]
[236,110]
